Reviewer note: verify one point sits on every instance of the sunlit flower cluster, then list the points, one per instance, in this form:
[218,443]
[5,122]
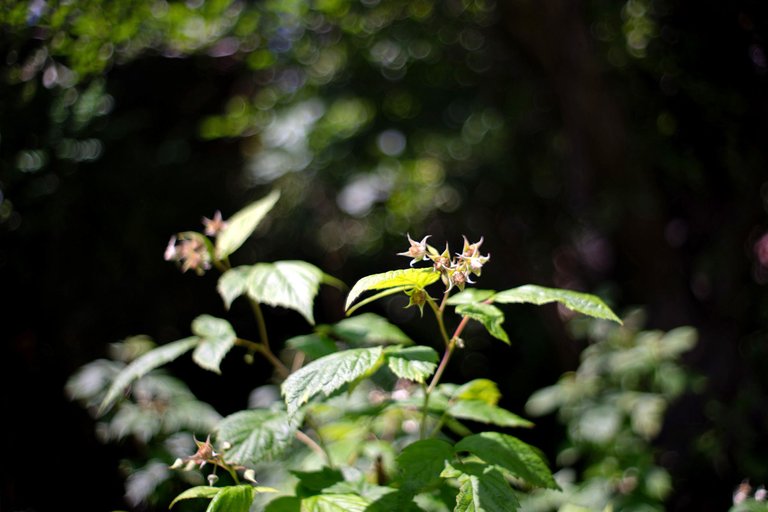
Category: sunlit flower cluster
[455,270]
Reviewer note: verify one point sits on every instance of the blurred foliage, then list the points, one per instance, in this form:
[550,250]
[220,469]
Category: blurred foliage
[159,417]
[613,407]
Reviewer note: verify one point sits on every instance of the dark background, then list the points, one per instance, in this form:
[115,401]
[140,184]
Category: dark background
[631,163]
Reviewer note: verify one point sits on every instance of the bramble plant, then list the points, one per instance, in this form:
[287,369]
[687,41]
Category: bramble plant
[365,421]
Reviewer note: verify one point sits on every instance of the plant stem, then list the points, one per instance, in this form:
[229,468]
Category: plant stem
[267,353]
[256,307]
[439,317]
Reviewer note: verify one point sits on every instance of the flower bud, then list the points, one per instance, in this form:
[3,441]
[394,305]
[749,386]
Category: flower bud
[417,250]
[212,479]
[250,475]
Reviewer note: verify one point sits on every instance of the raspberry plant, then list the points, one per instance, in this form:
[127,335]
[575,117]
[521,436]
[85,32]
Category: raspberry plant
[363,420]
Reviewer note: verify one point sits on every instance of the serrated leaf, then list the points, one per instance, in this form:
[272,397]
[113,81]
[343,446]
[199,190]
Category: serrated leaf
[328,374]
[510,454]
[412,363]
[255,435]
[420,463]
[143,365]
[288,284]
[585,303]
[314,345]
[334,503]
[233,284]
[409,278]
[470,296]
[479,389]
[242,225]
[237,498]
[480,411]
[483,489]
[217,337]
[369,329]
[490,316]
[202,491]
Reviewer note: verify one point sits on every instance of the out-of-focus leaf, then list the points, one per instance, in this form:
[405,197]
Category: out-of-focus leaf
[315,345]
[242,225]
[217,337]
[479,389]
[370,329]
[585,303]
[478,410]
[470,296]
[328,374]
[144,365]
[233,284]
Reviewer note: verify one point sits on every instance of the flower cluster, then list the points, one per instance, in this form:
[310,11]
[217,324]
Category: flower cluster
[191,250]
[455,270]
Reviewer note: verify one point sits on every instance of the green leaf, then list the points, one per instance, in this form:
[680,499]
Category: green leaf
[334,503]
[314,345]
[233,283]
[479,389]
[242,225]
[328,374]
[255,435]
[482,489]
[289,284]
[511,454]
[236,498]
[370,329]
[409,278]
[412,363]
[470,296]
[217,337]
[581,302]
[143,365]
[478,410]
[420,463]
[201,491]
[490,316]
[312,482]
[284,504]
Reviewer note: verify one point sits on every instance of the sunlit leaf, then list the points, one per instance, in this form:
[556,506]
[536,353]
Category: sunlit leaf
[370,329]
[288,284]
[237,498]
[490,316]
[328,374]
[145,364]
[233,284]
[482,489]
[217,337]
[242,225]
[480,411]
[334,503]
[202,491]
[510,454]
[479,389]
[409,278]
[255,435]
[585,303]
[412,363]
